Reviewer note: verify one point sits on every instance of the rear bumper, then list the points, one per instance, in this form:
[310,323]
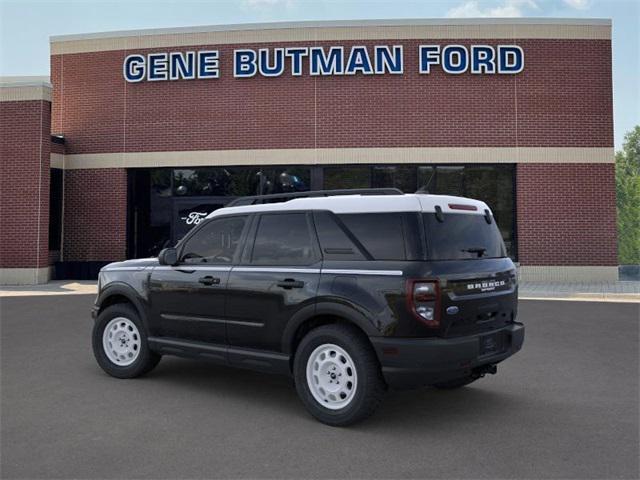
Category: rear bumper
[414,362]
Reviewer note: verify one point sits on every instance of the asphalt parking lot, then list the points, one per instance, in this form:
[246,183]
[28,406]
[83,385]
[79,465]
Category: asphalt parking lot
[567,406]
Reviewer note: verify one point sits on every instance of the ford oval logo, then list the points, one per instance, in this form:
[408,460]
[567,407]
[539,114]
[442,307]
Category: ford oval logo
[452,310]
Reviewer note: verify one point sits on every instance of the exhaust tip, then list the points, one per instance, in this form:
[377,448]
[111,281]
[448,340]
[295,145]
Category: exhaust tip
[483,370]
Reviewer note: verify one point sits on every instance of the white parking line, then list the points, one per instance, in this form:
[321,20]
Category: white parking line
[608,298]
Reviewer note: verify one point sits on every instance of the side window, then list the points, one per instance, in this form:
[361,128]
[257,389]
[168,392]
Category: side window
[381,234]
[283,239]
[335,243]
[215,242]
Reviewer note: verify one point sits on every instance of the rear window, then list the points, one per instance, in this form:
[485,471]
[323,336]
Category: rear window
[462,236]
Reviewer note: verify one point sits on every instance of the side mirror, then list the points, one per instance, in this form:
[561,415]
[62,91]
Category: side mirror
[168,256]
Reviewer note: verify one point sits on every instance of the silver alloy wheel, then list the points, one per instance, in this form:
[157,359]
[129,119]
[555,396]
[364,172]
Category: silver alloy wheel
[331,376]
[121,341]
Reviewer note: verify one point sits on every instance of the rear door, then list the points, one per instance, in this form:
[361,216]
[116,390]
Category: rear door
[278,276]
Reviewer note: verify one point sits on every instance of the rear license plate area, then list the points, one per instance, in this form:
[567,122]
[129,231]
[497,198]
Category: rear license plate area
[492,344]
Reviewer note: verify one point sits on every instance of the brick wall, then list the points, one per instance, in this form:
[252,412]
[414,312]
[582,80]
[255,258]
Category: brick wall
[24,183]
[562,98]
[57,148]
[566,214]
[95,214]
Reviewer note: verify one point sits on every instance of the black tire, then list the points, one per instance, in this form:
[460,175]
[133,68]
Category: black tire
[456,383]
[370,385]
[146,360]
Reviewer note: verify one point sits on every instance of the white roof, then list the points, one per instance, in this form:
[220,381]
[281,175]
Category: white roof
[413,202]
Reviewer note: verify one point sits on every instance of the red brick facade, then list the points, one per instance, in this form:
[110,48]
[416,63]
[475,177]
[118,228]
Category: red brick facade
[57,148]
[566,214]
[95,214]
[24,183]
[562,98]
[561,102]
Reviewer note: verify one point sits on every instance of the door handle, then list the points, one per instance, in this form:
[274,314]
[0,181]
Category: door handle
[289,283]
[209,280]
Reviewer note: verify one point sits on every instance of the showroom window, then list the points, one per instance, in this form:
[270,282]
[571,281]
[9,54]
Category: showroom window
[165,203]
[238,181]
[493,184]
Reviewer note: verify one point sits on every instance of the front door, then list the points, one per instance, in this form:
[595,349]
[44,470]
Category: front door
[278,275]
[188,300]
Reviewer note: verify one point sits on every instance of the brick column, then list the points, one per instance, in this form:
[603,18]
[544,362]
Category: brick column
[567,221]
[25,145]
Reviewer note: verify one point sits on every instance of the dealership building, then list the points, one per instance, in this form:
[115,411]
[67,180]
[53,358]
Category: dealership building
[136,136]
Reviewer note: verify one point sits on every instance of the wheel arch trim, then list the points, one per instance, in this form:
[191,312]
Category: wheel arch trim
[308,313]
[127,291]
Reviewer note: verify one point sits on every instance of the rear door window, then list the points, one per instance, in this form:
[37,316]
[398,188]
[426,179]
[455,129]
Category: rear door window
[284,239]
[462,236]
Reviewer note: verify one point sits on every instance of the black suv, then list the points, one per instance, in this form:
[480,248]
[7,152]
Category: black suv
[349,294]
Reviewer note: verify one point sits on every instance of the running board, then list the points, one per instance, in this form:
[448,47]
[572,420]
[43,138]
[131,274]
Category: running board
[272,362]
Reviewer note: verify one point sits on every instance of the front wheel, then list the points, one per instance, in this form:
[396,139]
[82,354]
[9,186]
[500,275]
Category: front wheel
[337,375]
[120,343]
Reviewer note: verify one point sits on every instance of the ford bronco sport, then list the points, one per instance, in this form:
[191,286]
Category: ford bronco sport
[348,294]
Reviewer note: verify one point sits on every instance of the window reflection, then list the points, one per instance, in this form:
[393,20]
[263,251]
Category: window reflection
[402,177]
[492,184]
[450,181]
[347,177]
[239,181]
[164,194]
[426,179]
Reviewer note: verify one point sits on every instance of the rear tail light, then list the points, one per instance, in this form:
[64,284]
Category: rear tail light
[423,299]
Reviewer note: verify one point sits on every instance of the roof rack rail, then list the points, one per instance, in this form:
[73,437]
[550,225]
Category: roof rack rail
[283,197]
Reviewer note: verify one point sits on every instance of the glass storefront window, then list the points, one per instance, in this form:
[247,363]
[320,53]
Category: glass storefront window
[450,181]
[336,178]
[245,181]
[239,181]
[201,181]
[426,179]
[168,202]
[396,176]
[161,182]
[285,179]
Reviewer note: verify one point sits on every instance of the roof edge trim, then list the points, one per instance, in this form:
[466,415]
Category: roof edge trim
[333,24]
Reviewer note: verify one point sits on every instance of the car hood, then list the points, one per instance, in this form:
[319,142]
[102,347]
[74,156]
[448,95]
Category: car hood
[135,263]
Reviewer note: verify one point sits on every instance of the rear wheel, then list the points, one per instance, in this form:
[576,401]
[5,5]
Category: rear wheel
[120,343]
[456,383]
[337,375]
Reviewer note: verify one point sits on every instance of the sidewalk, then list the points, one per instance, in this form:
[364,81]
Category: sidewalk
[55,287]
[581,291]
[628,292]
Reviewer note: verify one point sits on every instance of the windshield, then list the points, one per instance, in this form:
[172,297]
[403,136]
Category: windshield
[462,236]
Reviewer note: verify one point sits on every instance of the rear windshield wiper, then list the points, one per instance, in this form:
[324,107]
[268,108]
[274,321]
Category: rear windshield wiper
[479,250]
